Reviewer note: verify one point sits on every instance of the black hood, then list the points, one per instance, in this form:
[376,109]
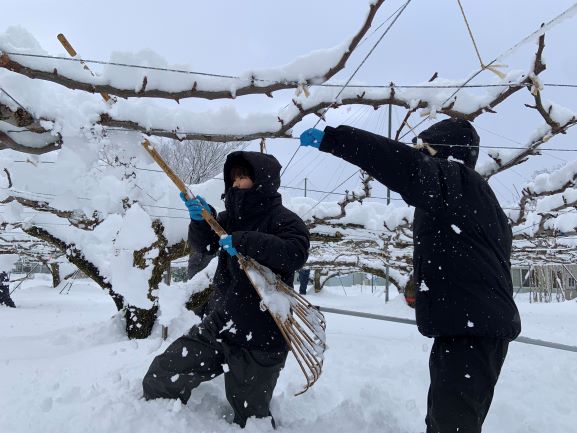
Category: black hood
[265,170]
[453,138]
[246,205]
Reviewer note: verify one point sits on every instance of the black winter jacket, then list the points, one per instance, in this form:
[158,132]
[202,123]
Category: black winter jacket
[261,228]
[462,239]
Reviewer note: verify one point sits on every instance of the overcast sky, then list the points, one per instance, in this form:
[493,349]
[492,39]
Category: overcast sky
[230,37]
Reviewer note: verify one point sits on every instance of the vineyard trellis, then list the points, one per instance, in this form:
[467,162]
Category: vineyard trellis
[545,209]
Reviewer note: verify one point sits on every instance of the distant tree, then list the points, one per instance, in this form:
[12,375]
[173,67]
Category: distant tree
[195,161]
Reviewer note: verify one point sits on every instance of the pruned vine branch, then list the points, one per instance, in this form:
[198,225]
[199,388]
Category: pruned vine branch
[75,218]
[20,118]
[76,257]
[7,142]
[501,165]
[358,97]
[350,197]
[246,86]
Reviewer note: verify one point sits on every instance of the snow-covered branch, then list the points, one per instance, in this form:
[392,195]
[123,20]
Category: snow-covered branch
[171,85]
[544,250]
[74,217]
[25,121]
[557,119]
[436,96]
[20,118]
[350,197]
[7,142]
[549,192]
[75,256]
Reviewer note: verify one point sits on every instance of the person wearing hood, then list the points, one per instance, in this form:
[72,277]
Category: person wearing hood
[461,259]
[235,336]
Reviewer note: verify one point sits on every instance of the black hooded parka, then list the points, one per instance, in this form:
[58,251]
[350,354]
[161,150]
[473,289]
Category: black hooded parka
[261,228]
[462,239]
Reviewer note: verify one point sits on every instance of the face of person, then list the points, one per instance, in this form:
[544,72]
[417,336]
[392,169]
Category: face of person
[242,182]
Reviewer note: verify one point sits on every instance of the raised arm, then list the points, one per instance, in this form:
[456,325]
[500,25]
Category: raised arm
[423,181]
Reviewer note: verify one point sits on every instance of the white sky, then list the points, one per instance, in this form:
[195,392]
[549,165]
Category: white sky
[231,37]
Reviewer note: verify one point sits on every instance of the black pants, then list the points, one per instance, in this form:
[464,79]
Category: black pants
[5,298]
[464,372]
[304,275]
[250,376]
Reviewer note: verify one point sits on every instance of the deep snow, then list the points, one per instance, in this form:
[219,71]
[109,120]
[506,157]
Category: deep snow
[67,367]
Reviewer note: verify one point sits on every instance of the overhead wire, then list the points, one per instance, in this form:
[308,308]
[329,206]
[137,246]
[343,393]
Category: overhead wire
[400,141]
[352,118]
[368,86]
[44,194]
[13,99]
[354,73]
[308,211]
[534,34]
[339,185]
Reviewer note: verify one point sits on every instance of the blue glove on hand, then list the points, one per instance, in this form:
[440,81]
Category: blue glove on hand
[195,207]
[226,243]
[312,137]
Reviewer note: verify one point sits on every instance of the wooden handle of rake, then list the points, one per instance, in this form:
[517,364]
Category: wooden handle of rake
[72,52]
[211,220]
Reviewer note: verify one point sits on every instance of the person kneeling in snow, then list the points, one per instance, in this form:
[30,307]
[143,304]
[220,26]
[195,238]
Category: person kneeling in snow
[461,259]
[235,336]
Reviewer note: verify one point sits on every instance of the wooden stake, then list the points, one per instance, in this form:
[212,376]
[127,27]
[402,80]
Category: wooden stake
[72,52]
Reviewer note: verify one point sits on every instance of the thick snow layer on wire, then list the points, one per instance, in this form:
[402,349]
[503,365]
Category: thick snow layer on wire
[370,215]
[73,110]
[551,182]
[429,92]
[375,375]
[314,64]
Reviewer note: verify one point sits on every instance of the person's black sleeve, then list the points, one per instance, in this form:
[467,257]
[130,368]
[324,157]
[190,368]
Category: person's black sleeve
[425,182]
[284,250]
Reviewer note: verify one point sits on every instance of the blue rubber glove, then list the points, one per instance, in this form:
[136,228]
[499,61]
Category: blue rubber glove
[226,243]
[195,207]
[312,137]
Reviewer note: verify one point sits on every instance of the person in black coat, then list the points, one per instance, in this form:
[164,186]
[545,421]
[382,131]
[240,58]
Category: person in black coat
[235,336]
[5,298]
[462,248]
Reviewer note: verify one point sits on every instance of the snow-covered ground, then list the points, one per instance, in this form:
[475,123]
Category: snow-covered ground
[66,366]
